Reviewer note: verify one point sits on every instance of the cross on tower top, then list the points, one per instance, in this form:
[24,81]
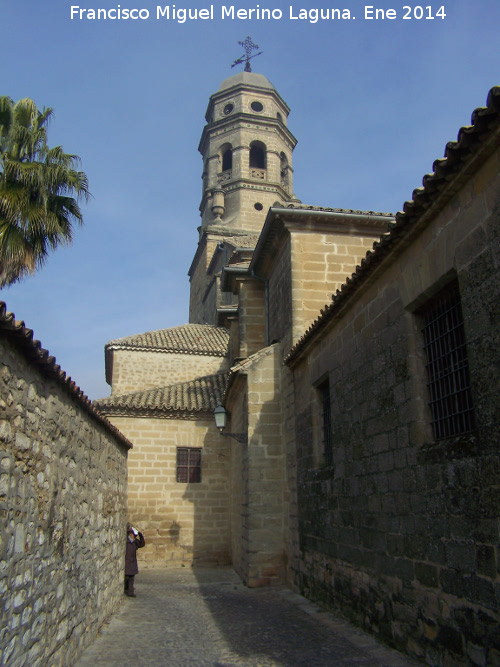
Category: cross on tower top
[249,46]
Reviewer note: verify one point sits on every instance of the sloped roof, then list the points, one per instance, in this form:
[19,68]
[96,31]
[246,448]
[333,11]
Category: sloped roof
[474,145]
[203,339]
[192,399]
[347,211]
[22,338]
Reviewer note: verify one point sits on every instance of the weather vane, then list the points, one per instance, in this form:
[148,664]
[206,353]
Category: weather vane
[249,46]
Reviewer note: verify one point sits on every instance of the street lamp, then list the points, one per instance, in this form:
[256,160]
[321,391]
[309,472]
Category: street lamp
[220,415]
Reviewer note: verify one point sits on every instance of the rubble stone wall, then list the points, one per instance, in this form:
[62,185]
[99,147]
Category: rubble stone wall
[63,498]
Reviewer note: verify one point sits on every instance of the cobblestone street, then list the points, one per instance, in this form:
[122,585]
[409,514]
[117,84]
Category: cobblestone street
[185,617]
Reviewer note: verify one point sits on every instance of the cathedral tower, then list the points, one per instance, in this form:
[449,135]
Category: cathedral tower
[247,167]
[247,154]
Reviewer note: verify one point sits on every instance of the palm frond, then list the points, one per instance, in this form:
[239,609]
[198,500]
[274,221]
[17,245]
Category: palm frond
[39,190]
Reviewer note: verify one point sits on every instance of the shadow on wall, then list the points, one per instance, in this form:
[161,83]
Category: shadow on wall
[256,514]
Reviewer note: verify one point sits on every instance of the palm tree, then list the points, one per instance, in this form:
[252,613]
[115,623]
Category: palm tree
[39,190]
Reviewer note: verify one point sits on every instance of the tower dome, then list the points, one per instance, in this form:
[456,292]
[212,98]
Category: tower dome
[246,78]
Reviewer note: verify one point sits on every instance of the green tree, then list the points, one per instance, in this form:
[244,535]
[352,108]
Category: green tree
[39,190]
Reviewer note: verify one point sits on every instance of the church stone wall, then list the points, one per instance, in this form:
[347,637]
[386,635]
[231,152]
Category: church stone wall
[400,531]
[308,268]
[240,507]
[320,265]
[63,496]
[199,311]
[135,370]
[252,317]
[258,475]
[280,296]
[183,524]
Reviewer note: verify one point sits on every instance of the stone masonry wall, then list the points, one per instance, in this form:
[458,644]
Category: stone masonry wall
[403,532]
[137,370]
[63,488]
[239,504]
[182,523]
[199,282]
[252,317]
[320,265]
[259,485]
[280,296]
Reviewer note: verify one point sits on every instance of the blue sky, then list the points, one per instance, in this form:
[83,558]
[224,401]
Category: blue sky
[373,103]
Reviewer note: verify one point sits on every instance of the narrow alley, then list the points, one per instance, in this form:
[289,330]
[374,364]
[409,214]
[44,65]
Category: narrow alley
[208,618]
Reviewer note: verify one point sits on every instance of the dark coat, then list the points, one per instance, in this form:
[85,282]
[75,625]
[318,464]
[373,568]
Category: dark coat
[131,554]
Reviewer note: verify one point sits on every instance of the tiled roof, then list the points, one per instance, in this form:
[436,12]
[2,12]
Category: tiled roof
[474,145]
[348,211]
[203,339]
[22,337]
[192,399]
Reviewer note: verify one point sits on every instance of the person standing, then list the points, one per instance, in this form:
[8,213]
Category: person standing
[135,540]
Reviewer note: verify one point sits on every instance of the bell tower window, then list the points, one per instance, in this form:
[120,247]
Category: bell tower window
[227,159]
[257,155]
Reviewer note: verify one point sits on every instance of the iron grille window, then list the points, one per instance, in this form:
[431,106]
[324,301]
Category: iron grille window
[188,464]
[324,390]
[447,366]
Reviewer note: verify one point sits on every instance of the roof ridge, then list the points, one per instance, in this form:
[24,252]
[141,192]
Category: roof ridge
[174,328]
[205,339]
[329,209]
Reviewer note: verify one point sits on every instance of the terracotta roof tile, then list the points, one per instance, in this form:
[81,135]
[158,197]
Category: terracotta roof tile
[22,338]
[203,339]
[184,400]
[474,144]
[349,211]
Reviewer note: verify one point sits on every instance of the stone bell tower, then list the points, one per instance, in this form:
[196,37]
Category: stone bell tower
[247,153]
[247,167]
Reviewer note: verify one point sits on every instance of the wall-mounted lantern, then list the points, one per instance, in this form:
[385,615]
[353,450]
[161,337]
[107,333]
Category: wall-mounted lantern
[220,415]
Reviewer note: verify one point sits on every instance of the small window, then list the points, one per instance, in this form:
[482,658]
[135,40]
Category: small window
[447,365]
[326,422]
[258,206]
[257,106]
[227,109]
[279,116]
[188,464]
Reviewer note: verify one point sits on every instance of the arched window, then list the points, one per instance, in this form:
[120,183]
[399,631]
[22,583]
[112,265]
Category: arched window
[257,155]
[227,159]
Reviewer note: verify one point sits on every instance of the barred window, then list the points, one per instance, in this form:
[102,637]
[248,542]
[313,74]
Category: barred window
[447,365]
[188,464]
[324,393]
